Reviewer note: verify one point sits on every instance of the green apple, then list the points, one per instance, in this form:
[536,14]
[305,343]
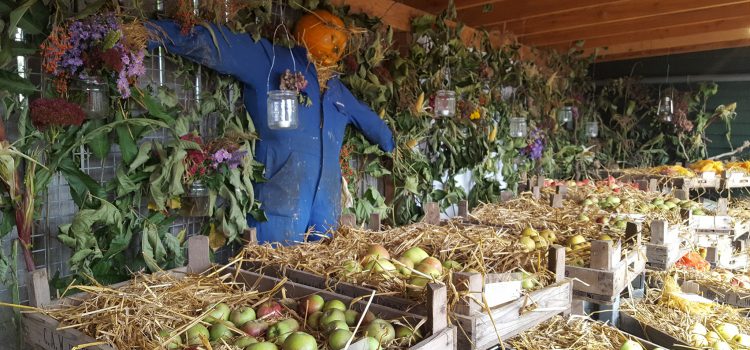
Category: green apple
[242,315]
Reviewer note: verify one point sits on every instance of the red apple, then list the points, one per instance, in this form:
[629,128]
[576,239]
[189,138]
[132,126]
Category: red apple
[311,304]
[256,328]
[269,309]
[375,252]
[434,263]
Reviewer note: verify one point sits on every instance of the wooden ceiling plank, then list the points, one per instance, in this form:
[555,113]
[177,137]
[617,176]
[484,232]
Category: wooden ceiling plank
[656,22]
[519,9]
[675,42]
[729,23]
[676,50]
[437,6]
[620,11]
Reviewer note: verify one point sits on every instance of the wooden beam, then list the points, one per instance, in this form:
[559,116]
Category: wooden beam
[507,10]
[689,43]
[730,23]
[631,26]
[607,13]
[437,6]
[398,15]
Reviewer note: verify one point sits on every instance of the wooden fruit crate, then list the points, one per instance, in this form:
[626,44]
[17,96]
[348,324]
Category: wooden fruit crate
[41,331]
[644,331]
[511,309]
[723,225]
[665,246]
[705,180]
[737,299]
[720,250]
[608,273]
[735,179]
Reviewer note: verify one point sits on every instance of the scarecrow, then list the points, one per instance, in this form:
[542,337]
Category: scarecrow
[303,187]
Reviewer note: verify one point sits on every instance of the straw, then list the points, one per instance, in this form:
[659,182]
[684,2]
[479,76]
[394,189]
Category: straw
[574,333]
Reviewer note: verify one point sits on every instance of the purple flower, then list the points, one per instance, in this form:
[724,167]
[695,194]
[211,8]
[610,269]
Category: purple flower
[219,157]
[123,86]
[535,148]
[236,159]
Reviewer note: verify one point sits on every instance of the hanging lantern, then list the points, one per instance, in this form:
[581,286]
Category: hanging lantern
[592,129]
[565,114]
[282,109]
[95,94]
[666,109]
[517,127]
[445,103]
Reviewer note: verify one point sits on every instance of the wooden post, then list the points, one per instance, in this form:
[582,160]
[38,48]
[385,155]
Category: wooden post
[437,299]
[38,287]
[557,201]
[251,235]
[506,196]
[686,214]
[471,282]
[374,224]
[603,255]
[432,213]
[722,207]
[556,261]
[712,255]
[690,287]
[463,209]
[561,190]
[348,220]
[198,254]
[536,193]
[653,185]
[661,234]
[540,181]
[682,194]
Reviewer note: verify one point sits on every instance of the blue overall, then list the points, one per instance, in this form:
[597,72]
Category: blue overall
[302,165]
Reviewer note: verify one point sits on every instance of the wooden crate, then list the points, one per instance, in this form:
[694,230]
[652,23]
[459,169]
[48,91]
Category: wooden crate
[705,180]
[737,299]
[41,333]
[644,331]
[720,251]
[735,179]
[724,225]
[609,273]
[664,247]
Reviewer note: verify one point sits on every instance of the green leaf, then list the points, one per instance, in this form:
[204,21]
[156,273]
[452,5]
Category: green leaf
[144,154]
[128,147]
[100,144]
[411,185]
[81,184]
[91,9]
[13,83]
[119,243]
[153,106]
[17,14]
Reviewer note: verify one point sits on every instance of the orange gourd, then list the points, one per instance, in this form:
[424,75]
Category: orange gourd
[324,35]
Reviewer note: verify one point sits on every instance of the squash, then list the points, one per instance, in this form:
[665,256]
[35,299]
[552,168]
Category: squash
[324,35]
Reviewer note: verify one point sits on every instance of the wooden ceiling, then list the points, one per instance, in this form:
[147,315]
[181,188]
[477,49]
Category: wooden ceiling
[620,29]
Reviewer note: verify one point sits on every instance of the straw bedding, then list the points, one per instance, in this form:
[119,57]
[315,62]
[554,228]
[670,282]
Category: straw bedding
[575,333]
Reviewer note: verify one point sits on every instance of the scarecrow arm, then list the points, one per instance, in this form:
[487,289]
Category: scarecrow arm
[364,119]
[219,48]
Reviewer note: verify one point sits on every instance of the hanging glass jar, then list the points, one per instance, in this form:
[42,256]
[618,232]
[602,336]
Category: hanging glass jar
[94,97]
[592,129]
[282,109]
[195,202]
[445,103]
[518,127]
[665,109]
[565,114]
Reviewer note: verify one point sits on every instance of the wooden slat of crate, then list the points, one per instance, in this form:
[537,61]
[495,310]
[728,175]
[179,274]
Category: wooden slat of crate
[634,327]
[729,297]
[478,331]
[40,331]
[703,180]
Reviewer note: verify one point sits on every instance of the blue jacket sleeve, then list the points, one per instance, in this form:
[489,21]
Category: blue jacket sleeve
[230,53]
[364,119]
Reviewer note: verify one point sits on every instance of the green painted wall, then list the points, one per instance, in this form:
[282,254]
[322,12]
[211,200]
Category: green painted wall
[721,62]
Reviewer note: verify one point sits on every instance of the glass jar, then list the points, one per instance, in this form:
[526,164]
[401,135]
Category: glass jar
[517,127]
[565,114]
[445,103]
[592,129]
[666,109]
[282,109]
[94,97]
[195,202]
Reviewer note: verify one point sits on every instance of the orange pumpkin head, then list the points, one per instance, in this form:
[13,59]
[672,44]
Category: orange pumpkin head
[324,35]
